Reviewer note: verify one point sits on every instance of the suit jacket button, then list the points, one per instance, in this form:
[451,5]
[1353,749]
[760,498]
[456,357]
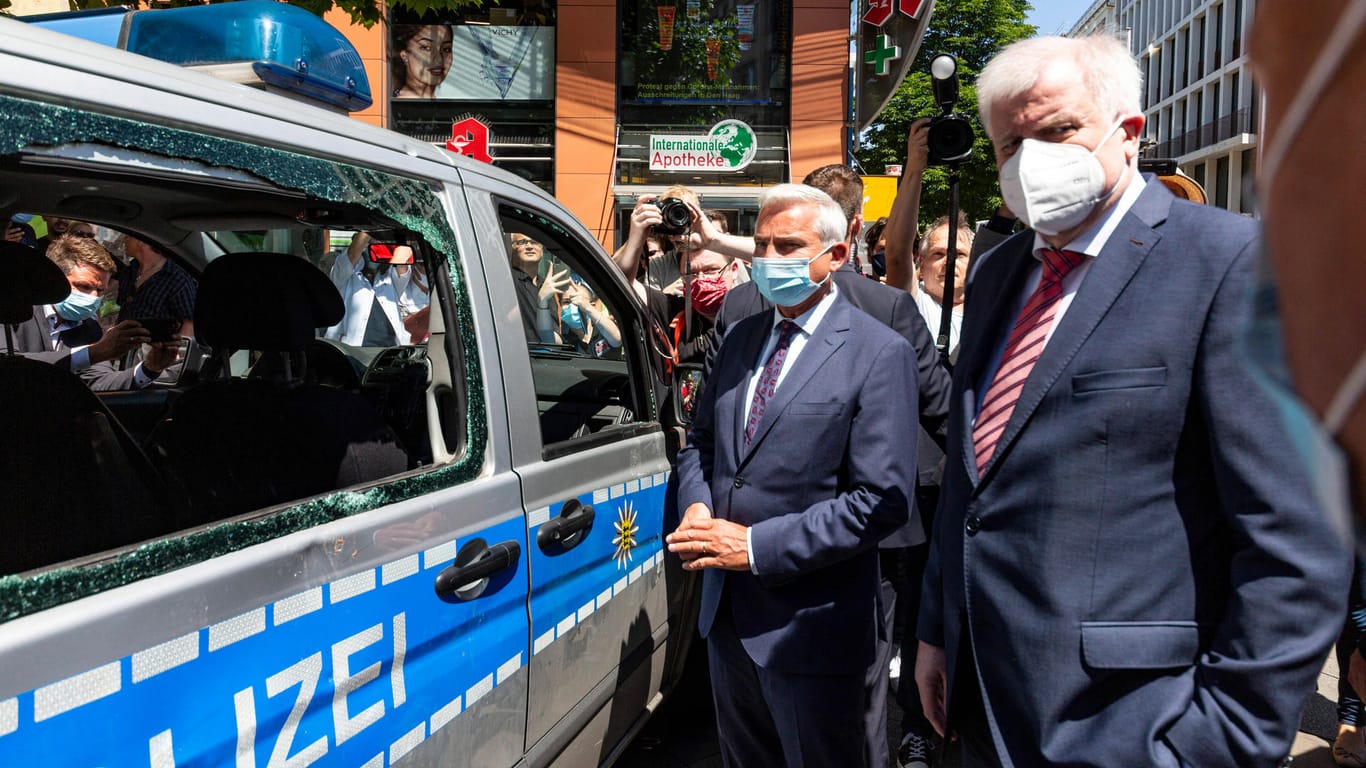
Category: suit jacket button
[973,525]
[739,482]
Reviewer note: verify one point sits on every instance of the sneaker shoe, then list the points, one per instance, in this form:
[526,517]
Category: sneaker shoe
[915,751]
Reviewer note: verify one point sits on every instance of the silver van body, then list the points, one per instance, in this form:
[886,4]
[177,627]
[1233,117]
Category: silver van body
[504,601]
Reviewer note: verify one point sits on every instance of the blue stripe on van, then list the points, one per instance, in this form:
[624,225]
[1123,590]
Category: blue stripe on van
[569,587]
[406,664]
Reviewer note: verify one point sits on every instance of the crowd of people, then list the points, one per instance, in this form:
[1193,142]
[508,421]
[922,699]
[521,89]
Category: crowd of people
[1090,545]
[113,309]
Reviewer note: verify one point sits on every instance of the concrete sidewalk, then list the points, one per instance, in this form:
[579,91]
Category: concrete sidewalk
[682,734]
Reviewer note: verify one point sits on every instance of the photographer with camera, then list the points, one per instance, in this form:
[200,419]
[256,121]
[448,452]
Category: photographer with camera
[944,140]
[684,284]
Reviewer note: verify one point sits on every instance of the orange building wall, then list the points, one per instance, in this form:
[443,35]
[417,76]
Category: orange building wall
[586,95]
[585,112]
[371,45]
[820,83]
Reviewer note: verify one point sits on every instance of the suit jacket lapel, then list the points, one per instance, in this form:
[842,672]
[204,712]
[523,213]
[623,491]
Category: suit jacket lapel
[829,336]
[1107,277]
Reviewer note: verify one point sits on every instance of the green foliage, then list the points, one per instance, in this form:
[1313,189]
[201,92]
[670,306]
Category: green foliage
[972,31]
[684,64]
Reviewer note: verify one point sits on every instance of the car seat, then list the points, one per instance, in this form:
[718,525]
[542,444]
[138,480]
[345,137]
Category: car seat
[72,481]
[234,445]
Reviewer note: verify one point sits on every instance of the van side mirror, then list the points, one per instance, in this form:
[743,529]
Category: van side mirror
[687,384]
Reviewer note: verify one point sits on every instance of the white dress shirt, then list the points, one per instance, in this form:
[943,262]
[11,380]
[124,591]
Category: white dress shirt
[359,296]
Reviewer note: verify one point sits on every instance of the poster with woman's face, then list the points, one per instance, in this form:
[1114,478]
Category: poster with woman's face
[469,62]
[420,59]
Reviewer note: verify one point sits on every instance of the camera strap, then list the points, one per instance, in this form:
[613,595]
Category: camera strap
[685,265]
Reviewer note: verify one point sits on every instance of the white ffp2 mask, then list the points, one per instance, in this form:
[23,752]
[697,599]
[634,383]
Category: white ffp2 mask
[1053,187]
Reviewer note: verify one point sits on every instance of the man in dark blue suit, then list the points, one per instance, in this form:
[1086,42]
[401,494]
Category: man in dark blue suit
[1128,566]
[798,463]
[902,552]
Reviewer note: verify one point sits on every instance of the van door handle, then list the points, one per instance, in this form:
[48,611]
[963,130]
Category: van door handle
[567,530]
[465,582]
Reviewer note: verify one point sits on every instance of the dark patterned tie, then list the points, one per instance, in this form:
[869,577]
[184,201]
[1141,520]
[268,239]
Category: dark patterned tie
[768,378]
[1021,352]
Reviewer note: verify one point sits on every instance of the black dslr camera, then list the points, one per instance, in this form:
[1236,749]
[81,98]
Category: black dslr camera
[677,217]
[950,136]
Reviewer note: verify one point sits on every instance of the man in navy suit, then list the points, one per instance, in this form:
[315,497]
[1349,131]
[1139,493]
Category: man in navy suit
[798,463]
[1128,566]
[902,551]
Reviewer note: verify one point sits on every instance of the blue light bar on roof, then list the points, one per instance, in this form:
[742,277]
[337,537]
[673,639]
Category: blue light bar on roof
[98,25]
[285,47]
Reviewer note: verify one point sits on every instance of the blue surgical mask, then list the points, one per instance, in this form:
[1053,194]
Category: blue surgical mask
[785,280]
[879,261]
[1313,443]
[78,307]
[571,317]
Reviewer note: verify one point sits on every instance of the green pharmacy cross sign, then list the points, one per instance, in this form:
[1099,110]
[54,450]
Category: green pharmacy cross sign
[882,55]
[889,37]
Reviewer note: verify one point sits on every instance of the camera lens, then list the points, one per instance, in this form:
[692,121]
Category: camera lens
[677,216]
[950,139]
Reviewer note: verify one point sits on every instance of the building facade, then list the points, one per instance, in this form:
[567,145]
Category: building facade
[601,101]
[1199,99]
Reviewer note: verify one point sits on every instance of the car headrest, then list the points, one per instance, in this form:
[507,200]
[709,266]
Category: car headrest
[263,301]
[27,278]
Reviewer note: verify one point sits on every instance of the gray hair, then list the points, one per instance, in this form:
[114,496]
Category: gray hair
[1108,69]
[831,225]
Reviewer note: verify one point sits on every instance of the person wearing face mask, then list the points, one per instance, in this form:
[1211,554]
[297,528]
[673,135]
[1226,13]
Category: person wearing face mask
[67,334]
[710,276]
[876,243]
[1126,568]
[902,553]
[797,465]
[585,321]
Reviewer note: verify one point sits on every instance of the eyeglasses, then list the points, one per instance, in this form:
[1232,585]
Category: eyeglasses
[80,233]
[522,242]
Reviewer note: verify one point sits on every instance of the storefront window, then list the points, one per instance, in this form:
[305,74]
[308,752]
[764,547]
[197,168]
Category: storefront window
[494,66]
[688,66]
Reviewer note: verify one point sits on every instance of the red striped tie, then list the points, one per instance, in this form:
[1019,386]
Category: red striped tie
[1021,352]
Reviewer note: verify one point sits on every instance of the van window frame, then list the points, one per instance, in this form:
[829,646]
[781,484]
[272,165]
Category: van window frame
[645,406]
[34,128]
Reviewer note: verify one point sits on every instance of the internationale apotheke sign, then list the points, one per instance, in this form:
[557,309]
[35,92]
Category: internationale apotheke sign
[728,146]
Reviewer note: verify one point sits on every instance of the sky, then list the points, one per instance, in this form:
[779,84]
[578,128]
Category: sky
[1052,16]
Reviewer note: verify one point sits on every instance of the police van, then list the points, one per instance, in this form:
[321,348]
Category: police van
[430,537]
